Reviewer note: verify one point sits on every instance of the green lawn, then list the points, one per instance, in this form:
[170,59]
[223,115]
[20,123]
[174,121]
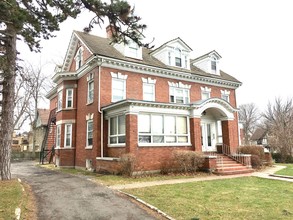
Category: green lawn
[288,171]
[11,197]
[240,198]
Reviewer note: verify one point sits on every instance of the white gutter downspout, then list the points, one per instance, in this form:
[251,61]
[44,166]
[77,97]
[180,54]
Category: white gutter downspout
[101,112]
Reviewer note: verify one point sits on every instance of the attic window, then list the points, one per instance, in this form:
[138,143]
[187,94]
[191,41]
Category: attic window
[214,65]
[178,57]
[79,58]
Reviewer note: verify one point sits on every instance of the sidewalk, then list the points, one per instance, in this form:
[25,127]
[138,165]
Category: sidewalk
[268,173]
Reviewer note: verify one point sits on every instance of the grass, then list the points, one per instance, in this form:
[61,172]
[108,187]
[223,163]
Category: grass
[240,198]
[12,196]
[288,171]
[110,180]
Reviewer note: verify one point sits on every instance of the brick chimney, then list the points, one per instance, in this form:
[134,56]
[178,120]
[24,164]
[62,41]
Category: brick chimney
[110,30]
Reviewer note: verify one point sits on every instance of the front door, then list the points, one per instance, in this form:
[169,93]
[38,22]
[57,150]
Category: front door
[208,139]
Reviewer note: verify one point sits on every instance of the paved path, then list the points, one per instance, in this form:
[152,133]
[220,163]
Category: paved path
[263,174]
[62,196]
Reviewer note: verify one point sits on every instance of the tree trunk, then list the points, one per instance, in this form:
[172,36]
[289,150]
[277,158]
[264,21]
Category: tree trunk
[6,120]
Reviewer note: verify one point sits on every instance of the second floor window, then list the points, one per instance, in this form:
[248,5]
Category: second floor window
[205,93]
[225,94]
[118,89]
[59,101]
[179,95]
[69,98]
[90,92]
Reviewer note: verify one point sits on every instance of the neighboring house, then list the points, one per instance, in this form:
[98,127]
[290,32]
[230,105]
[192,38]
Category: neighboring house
[117,99]
[19,142]
[40,129]
[259,137]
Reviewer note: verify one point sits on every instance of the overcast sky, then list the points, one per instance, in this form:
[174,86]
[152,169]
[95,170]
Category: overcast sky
[253,37]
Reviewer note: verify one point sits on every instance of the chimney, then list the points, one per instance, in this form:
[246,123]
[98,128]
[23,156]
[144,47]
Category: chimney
[110,30]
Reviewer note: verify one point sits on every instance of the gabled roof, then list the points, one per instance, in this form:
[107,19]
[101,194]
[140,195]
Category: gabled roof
[170,42]
[100,46]
[213,52]
[43,115]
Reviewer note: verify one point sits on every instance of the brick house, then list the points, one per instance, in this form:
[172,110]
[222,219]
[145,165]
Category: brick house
[117,99]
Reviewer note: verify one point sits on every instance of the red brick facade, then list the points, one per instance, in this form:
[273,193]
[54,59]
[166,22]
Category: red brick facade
[147,157]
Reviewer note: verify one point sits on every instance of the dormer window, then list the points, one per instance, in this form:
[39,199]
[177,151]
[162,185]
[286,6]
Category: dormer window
[132,50]
[79,58]
[214,66]
[178,57]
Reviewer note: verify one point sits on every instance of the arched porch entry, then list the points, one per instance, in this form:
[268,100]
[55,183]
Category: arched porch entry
[217,123]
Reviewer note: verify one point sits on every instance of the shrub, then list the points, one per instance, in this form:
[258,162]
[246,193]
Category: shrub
[279,158]
[256,162]
[127,164]
[185,161]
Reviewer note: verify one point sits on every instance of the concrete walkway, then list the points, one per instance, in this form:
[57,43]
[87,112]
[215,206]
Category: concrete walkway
[267,173]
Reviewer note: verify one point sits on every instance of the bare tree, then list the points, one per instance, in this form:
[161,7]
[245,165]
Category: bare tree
[249,117]
[279,122]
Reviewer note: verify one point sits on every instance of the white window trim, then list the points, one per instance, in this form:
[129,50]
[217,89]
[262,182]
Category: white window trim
[67,91]
[58,133]
[122,78]
[116,135]
[76,58]
[59,100]
[205,90]
[87,131]
[149,81]
[88,91]
[188,143]
[65,134]
[225,93]
[179,86]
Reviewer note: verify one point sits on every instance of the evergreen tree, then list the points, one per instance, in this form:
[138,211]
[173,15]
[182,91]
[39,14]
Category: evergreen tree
[31,21]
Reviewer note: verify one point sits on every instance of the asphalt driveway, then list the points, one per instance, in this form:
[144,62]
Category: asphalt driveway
[63,196]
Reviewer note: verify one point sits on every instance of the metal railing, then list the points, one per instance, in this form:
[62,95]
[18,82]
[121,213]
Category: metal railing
[244,159]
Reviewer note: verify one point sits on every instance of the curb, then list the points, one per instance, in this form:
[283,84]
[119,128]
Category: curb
[281,176]
[147,205]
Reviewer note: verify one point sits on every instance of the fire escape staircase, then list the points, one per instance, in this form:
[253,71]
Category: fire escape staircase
[47,154]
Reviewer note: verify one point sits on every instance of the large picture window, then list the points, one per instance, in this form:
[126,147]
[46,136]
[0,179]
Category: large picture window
[163,129]
[117,130]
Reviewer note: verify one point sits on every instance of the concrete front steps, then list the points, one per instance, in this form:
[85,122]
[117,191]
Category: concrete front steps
[228,166]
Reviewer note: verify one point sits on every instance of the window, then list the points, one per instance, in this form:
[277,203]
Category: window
[169,58]
[205,93]
[118,89]
[89,133]
[78,58]
[163,129]
[68,135]
[69,98]
[58,136]
[214,68]
[149,89]
[179,95]
[59,102]
[118,86]
[225,94]
[178,57]
[90,92]
[117,130]
[133,49]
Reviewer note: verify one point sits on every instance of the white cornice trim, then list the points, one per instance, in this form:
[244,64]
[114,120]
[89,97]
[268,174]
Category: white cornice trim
[171,74]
